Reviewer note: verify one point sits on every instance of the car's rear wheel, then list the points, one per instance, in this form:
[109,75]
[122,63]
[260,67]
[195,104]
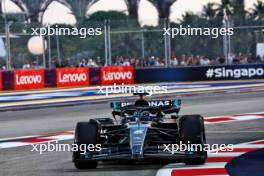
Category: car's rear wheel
[192,132]
[85,133]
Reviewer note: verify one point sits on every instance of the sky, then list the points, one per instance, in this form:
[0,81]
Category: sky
[147,13]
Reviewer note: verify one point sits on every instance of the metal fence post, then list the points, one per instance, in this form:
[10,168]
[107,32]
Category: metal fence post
[58,49]
[8,45]
[229,40]
[105,42]
[225,42]
[142,44]
[169,46]
[165,25]
[109,44]
[49,52]
[44,52]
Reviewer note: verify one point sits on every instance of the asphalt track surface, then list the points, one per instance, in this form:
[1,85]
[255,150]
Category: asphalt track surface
[21,161]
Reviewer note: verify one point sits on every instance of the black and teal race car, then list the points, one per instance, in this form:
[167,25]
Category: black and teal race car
[141,133]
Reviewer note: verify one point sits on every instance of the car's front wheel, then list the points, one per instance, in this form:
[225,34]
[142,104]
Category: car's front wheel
[85,133]
[192,132]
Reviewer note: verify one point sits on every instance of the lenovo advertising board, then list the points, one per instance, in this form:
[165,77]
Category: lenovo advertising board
[72,77]
[28,79]
[117,75]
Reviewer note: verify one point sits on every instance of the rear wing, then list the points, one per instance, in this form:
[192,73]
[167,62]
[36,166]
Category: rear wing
[166,106]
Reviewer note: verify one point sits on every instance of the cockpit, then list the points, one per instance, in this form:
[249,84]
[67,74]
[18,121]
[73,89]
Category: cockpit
[134,113]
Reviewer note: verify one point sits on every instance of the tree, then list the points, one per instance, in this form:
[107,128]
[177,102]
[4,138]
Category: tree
[224,8]
[31,7]
[163,7]
[1,8]
[110,15]
[132,8]
[239,13]
[209,12]
[257,13]
[79,8]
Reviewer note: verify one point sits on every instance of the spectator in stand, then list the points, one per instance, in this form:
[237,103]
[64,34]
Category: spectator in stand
[57,63]
[132,61]
[174,61]
[189,60]
[251,58]
[82,63]
[26,66]
[137,63]
[126,62]
[99,61]
[204,60]
[243,59]
[65,63]
[183,60]
[236,60]
[152,61]
[91,63]
[207,61]
[119,60]
[230,58]
[143,63]
[159,62]
[221,60]
[196,60]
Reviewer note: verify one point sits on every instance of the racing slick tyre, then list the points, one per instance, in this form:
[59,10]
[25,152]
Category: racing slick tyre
[85,133]
[192,132]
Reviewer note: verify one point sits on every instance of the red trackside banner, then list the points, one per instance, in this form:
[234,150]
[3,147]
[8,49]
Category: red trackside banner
[72,77]
[28,79]
[117,75]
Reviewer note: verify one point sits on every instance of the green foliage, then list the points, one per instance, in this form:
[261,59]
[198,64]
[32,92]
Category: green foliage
[110,15]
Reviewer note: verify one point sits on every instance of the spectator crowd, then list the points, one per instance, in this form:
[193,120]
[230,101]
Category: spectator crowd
[188,60]
[152,61]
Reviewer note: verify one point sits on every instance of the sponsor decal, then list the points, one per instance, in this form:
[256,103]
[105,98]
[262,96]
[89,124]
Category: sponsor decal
[28,79]
[67,77]
[234,73]
[160,103]
[117,75]
[138,132]
[155,103]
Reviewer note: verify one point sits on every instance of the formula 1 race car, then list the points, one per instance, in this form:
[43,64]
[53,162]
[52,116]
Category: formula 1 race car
[141,132]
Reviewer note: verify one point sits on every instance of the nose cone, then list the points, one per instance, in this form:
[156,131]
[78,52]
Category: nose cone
[137,139]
